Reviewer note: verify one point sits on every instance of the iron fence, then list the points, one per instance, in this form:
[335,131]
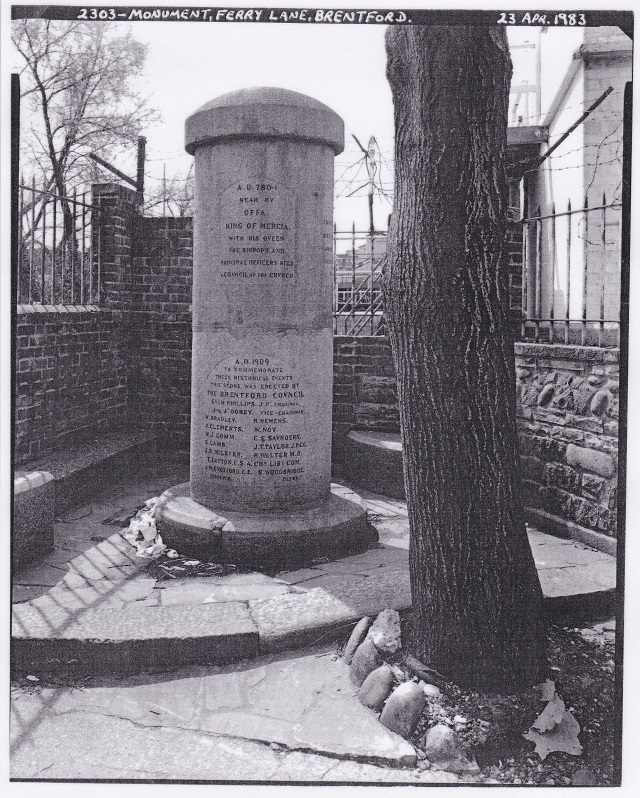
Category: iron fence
[357,282]
[571,275]
[571,272]
[58,263]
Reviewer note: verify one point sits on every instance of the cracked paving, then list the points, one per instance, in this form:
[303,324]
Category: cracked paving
[275,718]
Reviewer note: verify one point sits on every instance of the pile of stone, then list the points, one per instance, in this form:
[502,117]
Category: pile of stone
[397,686]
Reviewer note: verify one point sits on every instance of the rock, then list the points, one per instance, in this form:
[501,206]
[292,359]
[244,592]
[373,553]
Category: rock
[612,386]
[366,659]
[600,403]
[385,632]
[529,394]
[591,460]
[582,395]
[403,709]
[424,764]
[431,691]
[441,743]
[461,765]
[583,777]
[357,636]
[459,719]
[442,747]
[376,688]
[592,486]
[546,395]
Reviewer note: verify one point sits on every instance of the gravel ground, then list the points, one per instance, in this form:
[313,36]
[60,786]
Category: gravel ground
[582,668]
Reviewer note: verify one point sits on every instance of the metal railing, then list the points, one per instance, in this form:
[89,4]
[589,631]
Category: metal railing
[571,275]
[57,261]
[357,282]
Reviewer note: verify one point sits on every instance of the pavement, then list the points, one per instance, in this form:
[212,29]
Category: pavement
[288,717]
[219,678]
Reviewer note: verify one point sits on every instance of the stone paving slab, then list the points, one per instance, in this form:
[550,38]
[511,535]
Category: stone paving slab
[384,505]
[301,619]
[131,639]
[103,592]
[84,746]
[303,703]
[142,623]
[223,593]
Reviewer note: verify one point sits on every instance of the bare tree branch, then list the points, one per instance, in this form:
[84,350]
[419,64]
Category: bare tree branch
[77,79]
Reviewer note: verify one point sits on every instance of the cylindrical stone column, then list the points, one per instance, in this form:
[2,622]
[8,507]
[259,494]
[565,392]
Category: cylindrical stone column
[262,323]
[262,368]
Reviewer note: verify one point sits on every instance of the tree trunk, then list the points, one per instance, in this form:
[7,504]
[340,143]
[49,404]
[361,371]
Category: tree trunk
[477,602]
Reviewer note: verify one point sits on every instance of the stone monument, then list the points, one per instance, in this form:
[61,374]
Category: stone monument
[262,369]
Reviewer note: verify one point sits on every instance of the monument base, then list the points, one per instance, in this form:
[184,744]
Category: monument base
[274,540]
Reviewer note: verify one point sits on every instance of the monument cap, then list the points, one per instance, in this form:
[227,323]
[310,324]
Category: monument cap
[264,112]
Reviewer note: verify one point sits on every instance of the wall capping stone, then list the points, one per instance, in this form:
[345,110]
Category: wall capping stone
[552,524]
[27,480]
[38,308]
[592,354]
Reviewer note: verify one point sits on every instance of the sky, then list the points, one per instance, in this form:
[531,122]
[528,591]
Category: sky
[189,64]
[344,67]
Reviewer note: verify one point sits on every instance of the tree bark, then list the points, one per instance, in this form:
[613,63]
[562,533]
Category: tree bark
[477,602]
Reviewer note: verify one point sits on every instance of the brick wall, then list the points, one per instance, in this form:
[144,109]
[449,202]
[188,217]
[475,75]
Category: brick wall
[160,328]
[114,236]
[70,379]
[81,373]
[364,388]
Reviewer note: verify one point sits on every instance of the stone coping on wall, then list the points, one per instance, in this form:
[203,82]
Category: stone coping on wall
[591,354]
[28,480]
[32,533]
[40,308]
[78,469]
[75,457]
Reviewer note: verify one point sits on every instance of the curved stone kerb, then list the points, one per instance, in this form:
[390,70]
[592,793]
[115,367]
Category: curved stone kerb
[264,113]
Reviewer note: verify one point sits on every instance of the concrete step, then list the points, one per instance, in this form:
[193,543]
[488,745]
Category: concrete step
[100,461]
[373,462]
[60,480]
